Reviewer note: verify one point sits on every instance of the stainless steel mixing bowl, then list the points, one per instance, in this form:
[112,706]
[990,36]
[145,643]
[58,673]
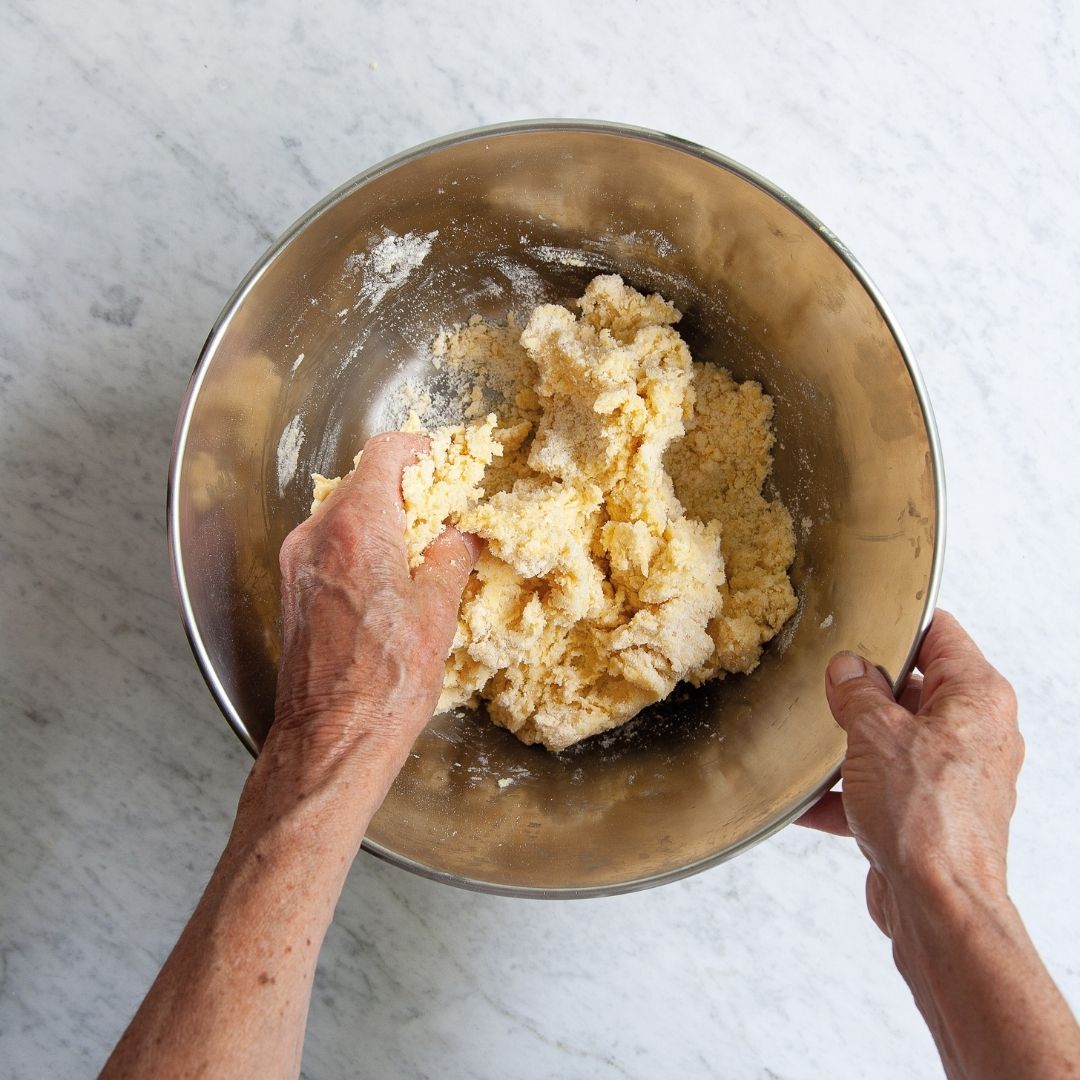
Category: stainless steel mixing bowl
[296,375]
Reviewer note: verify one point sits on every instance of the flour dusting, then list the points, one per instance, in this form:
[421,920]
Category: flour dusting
[525,283]
[288,453]
[388,265]
[549,253]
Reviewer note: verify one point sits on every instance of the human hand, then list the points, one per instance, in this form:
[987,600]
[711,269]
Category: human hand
[364,642]
[929,780]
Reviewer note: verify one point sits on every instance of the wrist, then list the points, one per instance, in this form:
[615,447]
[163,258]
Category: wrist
[346,721]
[973,971]
[331,764]
[950,889]
[322,802]
[264,841]
[942,913]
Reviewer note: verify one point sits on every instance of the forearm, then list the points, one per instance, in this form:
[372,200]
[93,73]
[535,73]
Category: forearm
[232,999]
[989,1001]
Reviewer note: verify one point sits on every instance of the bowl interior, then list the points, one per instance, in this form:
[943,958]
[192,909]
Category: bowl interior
[299,372]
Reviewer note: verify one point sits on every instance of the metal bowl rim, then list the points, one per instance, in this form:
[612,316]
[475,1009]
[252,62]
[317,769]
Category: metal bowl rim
[268,257]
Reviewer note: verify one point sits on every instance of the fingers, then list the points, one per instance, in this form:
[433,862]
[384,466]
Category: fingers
[448,561]
[365,514]
[827,815]
[375,484]
[855,689]
[948,640]
[911,696]
[953,666]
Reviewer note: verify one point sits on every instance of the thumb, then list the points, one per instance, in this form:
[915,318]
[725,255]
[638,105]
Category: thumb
[448,561]
[855,689]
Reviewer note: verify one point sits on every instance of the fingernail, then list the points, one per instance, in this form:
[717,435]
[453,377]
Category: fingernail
[474,543]
[844,666]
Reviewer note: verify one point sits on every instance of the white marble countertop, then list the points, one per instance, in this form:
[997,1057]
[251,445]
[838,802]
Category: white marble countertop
[150,154]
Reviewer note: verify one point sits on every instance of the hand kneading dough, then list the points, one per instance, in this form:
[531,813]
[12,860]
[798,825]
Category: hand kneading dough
[629,479]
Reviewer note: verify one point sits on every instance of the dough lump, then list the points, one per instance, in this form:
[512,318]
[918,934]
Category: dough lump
[618,487]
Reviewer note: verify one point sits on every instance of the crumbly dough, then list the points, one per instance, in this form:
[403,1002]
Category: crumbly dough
[618,487]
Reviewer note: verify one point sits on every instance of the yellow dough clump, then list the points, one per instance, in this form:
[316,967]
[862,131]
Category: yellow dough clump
[445,482]
[621,482]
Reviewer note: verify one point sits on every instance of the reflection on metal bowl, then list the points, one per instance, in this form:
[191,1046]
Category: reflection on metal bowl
[297,373]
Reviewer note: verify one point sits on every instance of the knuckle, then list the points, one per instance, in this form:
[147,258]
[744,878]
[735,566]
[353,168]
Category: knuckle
[390,442]
[945,669]
[292,549]
[384,438]
[339,531]
[866,705]
[973,684]
[1016,748]
[1003,692]
[1019,750]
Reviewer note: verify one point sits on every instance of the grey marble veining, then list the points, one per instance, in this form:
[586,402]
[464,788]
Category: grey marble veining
[150,154]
